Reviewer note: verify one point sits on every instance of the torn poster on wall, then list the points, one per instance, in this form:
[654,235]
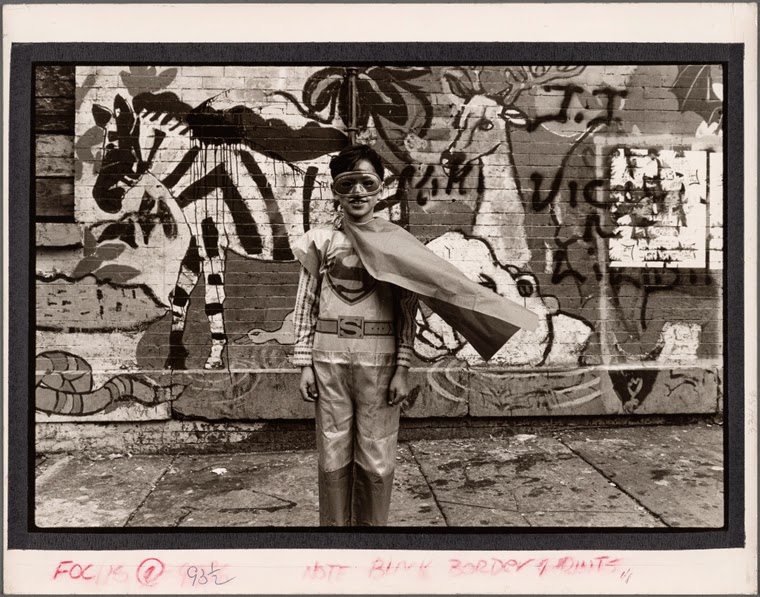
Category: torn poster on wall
[660,207]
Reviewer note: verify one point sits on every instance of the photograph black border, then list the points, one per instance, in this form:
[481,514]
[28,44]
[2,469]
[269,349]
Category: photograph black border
[22,533]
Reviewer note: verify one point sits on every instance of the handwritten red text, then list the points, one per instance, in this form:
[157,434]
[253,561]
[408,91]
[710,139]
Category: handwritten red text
[564,565]
[381,568]
[325,571]
[149,571]
[74,571]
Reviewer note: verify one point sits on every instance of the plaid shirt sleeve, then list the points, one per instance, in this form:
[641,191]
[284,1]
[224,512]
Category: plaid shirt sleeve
[305,318]
[406,325]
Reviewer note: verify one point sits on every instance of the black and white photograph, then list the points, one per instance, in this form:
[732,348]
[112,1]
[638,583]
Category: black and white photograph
[179,209]
[442,291]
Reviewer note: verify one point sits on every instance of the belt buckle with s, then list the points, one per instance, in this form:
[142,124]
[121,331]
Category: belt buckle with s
[350,327]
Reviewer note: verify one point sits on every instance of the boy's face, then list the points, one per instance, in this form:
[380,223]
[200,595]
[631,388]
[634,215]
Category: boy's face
[358,191]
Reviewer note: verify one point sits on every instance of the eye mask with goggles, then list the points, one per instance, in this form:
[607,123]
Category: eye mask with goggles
[357,184]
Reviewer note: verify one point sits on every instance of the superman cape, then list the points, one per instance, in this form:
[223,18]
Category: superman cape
[390,254]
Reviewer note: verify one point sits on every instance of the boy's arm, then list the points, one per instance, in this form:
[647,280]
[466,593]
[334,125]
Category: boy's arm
[305,317]
[407,326]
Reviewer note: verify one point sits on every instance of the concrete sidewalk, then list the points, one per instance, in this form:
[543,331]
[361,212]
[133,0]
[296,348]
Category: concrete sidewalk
[642,476]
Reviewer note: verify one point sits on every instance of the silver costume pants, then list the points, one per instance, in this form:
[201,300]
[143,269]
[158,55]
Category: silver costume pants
[357,432]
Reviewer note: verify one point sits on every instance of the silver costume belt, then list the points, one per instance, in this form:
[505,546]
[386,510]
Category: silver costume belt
[355,327]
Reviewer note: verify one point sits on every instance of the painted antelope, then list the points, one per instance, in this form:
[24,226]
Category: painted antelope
[482,143]
[233,194]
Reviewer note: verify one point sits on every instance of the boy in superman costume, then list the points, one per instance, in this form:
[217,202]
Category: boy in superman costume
[354,323]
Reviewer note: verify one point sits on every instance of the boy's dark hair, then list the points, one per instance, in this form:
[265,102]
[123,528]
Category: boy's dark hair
[349,157]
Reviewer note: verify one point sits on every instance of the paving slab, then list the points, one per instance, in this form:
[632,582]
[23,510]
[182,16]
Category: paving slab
[234,490]
[273,489]
[618,519]
[80,492]
[522,480]
[676,472]
[412,501]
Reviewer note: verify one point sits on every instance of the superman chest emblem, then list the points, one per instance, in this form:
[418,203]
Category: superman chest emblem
[347,277]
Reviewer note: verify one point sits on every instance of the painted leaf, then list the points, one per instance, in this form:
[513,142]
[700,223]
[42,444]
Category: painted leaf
[88,149]
[89,243]
[123,231]
[119,274]
[109,251]
[147,78]
[82,90]
[86,266]
[101,115]
[138,71]
[694,90]
[167,76]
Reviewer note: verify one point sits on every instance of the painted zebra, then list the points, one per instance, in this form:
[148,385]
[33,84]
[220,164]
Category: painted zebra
[243,184]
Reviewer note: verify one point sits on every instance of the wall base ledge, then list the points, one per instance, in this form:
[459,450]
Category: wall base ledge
[203,437]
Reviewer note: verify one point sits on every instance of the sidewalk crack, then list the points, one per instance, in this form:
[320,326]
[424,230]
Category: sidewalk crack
[430,487]
[287,504]
[151,490]
[522,514]
[517,503]
[653,514]
[480,506]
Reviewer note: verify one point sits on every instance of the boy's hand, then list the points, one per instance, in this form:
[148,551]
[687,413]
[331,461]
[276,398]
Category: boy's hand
[308,385]
[398,391]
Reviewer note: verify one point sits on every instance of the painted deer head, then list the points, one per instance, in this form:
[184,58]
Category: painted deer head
[488,112]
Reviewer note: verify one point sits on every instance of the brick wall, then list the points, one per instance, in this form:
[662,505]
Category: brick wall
[592,195]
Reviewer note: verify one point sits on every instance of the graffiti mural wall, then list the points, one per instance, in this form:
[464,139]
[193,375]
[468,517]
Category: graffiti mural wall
[591,194]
